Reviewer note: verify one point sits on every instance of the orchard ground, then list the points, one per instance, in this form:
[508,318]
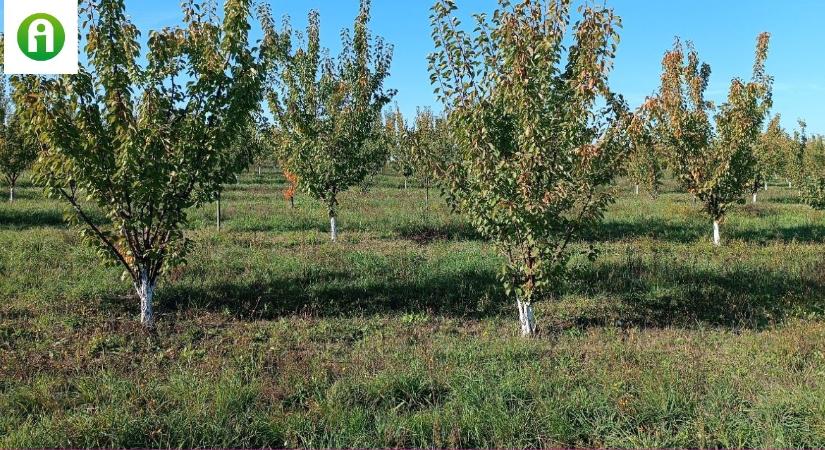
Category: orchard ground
[400,335]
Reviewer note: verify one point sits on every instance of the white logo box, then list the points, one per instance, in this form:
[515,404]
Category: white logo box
[15,61]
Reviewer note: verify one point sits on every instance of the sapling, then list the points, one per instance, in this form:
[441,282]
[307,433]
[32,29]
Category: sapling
[291,187]
[773,155]
[399,141]
[145,142]
[431,153]
[710,148]
[328,111]
[18,149]
[538,132]
[811,168]
[645,166]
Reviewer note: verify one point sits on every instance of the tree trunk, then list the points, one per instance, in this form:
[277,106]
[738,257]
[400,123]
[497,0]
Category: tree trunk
[766,185]
[405,183]
[789,184]
[637,189]
[259,170]
[218,213]
[754,198]
[11,193]
[527,318]
[333,227]
[717,235]
[292,202]
[146,291]
[427,195]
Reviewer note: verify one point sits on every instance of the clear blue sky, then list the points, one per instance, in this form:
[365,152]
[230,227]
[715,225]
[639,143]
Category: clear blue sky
[724,32]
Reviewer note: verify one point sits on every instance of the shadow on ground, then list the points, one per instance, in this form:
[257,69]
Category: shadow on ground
[682,232]
[337,294]
[424,234]
[25,219]
[684,295]
[626,294]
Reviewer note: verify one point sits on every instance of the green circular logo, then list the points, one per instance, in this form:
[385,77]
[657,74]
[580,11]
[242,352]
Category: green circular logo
[41,37]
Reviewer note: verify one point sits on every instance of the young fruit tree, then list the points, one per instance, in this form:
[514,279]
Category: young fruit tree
[714,163]
[17,149]
[143,143]
[398,139]
[539,133]
[811,168]
[328,111]
[430,151]
[291,188]
[644,165]
[774,155]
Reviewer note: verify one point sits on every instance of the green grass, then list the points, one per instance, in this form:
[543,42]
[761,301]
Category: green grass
[400,334]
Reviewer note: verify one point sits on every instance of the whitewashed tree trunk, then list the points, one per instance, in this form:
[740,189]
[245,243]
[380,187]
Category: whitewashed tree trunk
[333,229]
[527,318]
[717,235]
[637,189]
[11,193]
[146,291]
[754,197]
[766,186]
[405,183]
[789,184]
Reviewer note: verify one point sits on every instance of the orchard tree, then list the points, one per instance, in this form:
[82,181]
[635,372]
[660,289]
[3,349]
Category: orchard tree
[281,154]
[398,138]
[645,166]
[329,110]
[17,151]
[291,187]
[144,143]
[774,155]
[17,148]
[811,168]
[714,163]
[430,151]
[539,133]
[816,151]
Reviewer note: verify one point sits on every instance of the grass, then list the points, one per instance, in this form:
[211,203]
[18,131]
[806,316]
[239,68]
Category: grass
[400,335]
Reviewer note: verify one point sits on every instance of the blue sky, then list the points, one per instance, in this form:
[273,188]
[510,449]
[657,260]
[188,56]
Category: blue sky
[724,32]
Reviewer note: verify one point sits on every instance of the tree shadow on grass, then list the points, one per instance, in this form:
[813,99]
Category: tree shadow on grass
[787,199]
[25,219]
[801,233]
[629,293]
[681,232]
[673,295]
[423,233]
[470,294]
